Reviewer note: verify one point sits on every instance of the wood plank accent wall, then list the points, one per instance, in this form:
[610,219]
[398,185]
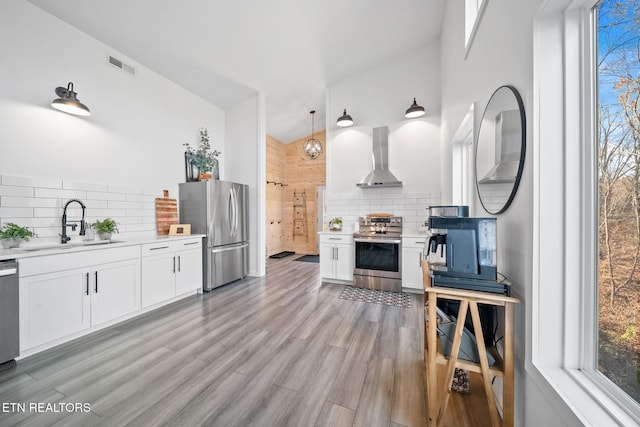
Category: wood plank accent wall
[275,196]
[300,174]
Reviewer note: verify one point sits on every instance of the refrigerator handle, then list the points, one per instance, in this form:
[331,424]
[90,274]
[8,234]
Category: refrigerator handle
[231,207]
[233,210]
[235,216]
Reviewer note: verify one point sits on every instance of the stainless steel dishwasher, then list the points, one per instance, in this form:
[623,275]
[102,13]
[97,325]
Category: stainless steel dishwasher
[9,313]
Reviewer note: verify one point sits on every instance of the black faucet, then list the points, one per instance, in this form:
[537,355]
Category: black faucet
[83,227]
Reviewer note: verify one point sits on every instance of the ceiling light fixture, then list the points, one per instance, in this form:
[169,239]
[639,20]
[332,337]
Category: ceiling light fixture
[312,147]
[414,111]
[68,102]
[345,120]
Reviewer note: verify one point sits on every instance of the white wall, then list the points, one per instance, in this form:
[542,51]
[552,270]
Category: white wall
[138,124]
[246,158]
[502,53]
[379,96]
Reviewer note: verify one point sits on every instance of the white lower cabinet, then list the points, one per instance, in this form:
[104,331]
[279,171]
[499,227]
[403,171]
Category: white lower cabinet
[412,256]
[55,304]
[336,256]
[170,269]
[116,290]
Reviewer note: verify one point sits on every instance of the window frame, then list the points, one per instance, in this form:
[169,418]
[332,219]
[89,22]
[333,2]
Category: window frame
[473,11]
[461,159]
[564,295]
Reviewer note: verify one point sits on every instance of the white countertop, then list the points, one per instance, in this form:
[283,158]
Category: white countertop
[30,249]
[410,234]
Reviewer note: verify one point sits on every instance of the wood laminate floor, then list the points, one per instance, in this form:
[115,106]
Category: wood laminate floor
[281,350]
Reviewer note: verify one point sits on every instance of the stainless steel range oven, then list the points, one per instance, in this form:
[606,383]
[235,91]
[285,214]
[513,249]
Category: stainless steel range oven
[378,253]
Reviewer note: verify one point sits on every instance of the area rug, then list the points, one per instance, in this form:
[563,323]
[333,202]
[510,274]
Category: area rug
[281,254]
[308,258]
[397,299]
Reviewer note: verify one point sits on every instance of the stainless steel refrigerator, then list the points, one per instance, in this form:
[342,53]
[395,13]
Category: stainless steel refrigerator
[218,209]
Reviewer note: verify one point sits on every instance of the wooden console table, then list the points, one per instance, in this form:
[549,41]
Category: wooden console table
[503,367]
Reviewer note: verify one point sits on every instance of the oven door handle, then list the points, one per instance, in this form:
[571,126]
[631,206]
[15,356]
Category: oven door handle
[365,240]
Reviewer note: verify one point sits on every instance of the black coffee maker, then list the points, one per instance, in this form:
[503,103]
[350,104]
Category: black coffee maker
[469,248]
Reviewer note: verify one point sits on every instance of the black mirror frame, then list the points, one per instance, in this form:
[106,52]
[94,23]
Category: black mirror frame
[523,150]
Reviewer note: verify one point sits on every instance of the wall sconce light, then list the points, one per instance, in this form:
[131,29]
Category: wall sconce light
[68,102]
[414,111]
[345,120]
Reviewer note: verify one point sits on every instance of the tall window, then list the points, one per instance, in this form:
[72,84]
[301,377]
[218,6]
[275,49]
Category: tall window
[618,59]
[473,10]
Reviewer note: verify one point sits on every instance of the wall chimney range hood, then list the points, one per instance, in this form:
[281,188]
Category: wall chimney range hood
[380,176]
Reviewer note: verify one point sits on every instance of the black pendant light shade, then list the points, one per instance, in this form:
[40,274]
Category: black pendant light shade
[68,102]
[414,111]
[312,147]
[345,120]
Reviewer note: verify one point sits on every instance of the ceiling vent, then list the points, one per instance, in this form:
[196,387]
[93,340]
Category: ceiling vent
[121,65]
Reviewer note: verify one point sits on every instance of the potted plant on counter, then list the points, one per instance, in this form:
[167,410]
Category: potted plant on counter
[202,159]
[12,235]
[105,228]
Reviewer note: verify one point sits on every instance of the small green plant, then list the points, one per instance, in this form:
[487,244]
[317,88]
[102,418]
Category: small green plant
[202,157]
[16,232]
[105,226]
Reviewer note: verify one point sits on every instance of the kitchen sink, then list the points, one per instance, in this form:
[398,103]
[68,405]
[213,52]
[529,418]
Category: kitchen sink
[70,245]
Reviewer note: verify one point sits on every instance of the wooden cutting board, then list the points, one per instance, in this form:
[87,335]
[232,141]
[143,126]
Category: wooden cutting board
[166,213]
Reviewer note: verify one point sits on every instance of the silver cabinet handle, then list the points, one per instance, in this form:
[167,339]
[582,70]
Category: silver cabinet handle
[174,264]
[179,256]
[335,238]
[420,260]
[86,289]
[159,247]
[191,243]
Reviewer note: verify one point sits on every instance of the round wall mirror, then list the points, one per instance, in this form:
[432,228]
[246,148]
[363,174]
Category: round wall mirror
[500,150]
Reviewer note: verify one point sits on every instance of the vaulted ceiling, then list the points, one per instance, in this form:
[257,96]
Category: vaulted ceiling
[226,51]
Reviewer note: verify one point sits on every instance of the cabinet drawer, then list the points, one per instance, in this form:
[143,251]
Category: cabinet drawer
[336,238]
[170,246]
[67,261]
[413,242]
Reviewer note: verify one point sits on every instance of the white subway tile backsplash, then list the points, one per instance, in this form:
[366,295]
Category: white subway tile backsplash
[31,181]
[410,206]
[83,186]
[15,212]
[30,202]
[124,205]
[141,198]
[126,190]
[33,222]
[37,203]
[9,190]
[104,213]
[61,194]
[140,212]
[105,196]
[141,227]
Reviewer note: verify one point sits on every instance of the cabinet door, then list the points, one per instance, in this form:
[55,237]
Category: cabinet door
[115,290]
[158,279]
[188,271]
[344,262]
[53,305]
[412,268]
[327,261]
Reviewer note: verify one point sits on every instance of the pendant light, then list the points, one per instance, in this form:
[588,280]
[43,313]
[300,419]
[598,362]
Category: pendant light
[312,147]
[345,120]
[414,111]
[68,102]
